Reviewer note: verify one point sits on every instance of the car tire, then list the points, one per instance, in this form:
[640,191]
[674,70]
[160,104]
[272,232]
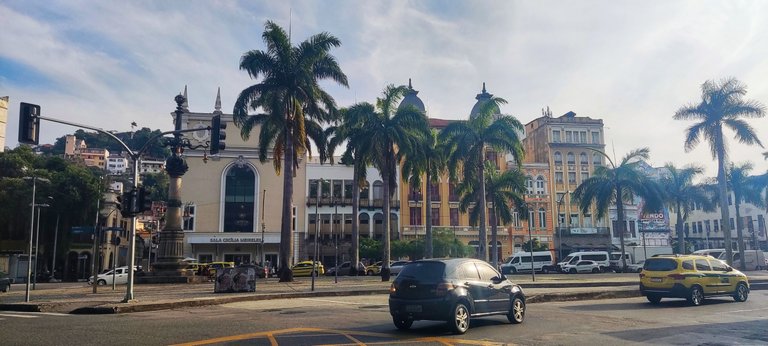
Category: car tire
[742,292]
[572,271]
[102,282]
[369,273]
[513,270]
[516,313]
[544,270]
[696,295]
[402,323]
[6,288]
[654,299]
[459,321]
[595,270]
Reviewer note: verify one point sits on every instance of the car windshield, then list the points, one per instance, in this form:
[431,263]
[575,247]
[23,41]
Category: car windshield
[427,271]
[660,264]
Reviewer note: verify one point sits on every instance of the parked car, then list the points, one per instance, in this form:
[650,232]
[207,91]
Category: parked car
[521,262]
[344,269]
[453,290]
[582,267]
[635,267]
[213,266]
[692,277]
[601,257]
[373,269]
[305,268]
[5,282]
[396,267]
[119,274]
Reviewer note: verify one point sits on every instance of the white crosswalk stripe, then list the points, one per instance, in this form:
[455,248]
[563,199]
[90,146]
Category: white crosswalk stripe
[15,314]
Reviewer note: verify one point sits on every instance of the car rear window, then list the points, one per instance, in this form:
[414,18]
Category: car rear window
[660,264]
[427,271]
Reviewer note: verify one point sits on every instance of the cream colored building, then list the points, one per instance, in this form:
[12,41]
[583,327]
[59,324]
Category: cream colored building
[233,201]
[3,121]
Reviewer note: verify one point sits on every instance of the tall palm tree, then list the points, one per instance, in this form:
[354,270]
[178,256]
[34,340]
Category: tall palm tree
[387,134]
[681,193]
[427,160]
[746,189]
[504,191]
[467,142]
[293,106]
[721,105]
[616,185]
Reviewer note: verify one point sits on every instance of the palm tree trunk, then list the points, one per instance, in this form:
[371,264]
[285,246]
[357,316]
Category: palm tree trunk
[355,217]
[428,232]
[622,226]
[385,271]
[740,235]
[286,243]
[494,239]
[679,230]
[482,249]
[725,223]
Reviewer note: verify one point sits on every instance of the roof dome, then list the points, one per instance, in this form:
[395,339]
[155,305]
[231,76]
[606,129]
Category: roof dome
[411,99]
[482,98]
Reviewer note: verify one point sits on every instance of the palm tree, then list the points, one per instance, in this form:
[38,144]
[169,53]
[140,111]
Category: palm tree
[428,160]
[721,105]
[681,193]
[467,142]
[293,106]
[504,191]
[616,185]
[746,189]
[386,134]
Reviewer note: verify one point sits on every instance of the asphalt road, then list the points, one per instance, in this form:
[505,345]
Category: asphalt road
[365,320]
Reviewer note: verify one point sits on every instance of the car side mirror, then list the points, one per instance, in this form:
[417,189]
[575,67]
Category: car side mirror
[729,269]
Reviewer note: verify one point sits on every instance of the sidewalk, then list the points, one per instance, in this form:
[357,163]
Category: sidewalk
[78,297]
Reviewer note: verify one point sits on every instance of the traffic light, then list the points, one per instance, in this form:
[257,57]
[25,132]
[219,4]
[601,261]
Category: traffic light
[218,135]
[127,203]
[119,202]
[143,201]
[29,123]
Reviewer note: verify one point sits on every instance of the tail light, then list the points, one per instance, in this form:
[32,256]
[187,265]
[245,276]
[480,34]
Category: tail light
[392,288]
[443,288]
[676,276]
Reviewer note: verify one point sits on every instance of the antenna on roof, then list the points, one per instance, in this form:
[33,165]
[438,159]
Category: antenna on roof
[547,113]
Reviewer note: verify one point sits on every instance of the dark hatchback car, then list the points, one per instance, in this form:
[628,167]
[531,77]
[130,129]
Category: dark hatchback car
[453,290]
[5,282]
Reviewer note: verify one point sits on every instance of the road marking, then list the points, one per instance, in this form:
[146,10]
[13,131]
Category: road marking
[740,311]
[19,316]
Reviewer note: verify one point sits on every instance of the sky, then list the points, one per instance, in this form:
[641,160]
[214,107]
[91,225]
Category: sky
[630,63]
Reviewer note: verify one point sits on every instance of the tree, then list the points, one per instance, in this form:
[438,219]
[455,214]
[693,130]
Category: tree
[504,191]
[746,189]
[721,105]
[386,134]
[616,185]
[537,245]
[681,193]
[429,160]
[467,142]
[293,106]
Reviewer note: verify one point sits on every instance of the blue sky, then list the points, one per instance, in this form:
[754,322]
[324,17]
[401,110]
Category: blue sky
[630,63]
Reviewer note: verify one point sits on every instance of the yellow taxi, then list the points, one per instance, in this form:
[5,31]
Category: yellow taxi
[217,265]
[305,268]
[692,277]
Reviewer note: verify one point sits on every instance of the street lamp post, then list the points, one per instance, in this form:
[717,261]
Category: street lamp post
[336,241]
[96,240]
[55,243]
[37,242]
[317,232]
[263,228]
[530,242]
[31,233]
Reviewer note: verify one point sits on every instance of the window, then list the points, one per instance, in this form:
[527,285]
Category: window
[559,177]
[688,265]
[347,188]
[716,225]
[572,177]
[701,227]
[596,137]
[434,192]
[574,220]
[415,214]
[540,186]
[587,220]
[584,176]
[454,216]
[486,272]
[528,185]
[702,265]
[583,159]
[568,137]
[558,158]
[313,188]
[453,194]
[239,197]
[597,159]
[731,223]
[555,136]
[583,136]
[718,266]
[189,217]
[435,216]
[337,189]
[378,190]
[708,225]
[542,218]
[364,192]
[571,159]
[530,219]
[516,219]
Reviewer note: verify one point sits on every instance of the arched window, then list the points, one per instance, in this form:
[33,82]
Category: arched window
[571,159]
[597,159]
[378,190]
[239,197]
[529,185]
[583,159]
[558,158]
[540,186]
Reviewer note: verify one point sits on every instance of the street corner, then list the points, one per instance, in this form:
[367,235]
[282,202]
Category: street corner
[320,336]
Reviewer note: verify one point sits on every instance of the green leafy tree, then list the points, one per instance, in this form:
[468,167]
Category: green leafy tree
[616,185]
[681,194]
[370,248]
[467,142]
[537,245]
[722,105]
[386,134]
[293,108]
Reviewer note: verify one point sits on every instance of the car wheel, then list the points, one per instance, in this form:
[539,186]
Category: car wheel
[402,323]
[595,270]
[369,273]
[513,270]
[544,270]
[654,299]
[102,282]
[6,288]
[516,313]
[572,271]
[459,321]
[742,293]
[696,296]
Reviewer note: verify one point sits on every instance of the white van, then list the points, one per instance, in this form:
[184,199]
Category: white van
[710,252]
[754,259]
[521,261]
[601,257]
